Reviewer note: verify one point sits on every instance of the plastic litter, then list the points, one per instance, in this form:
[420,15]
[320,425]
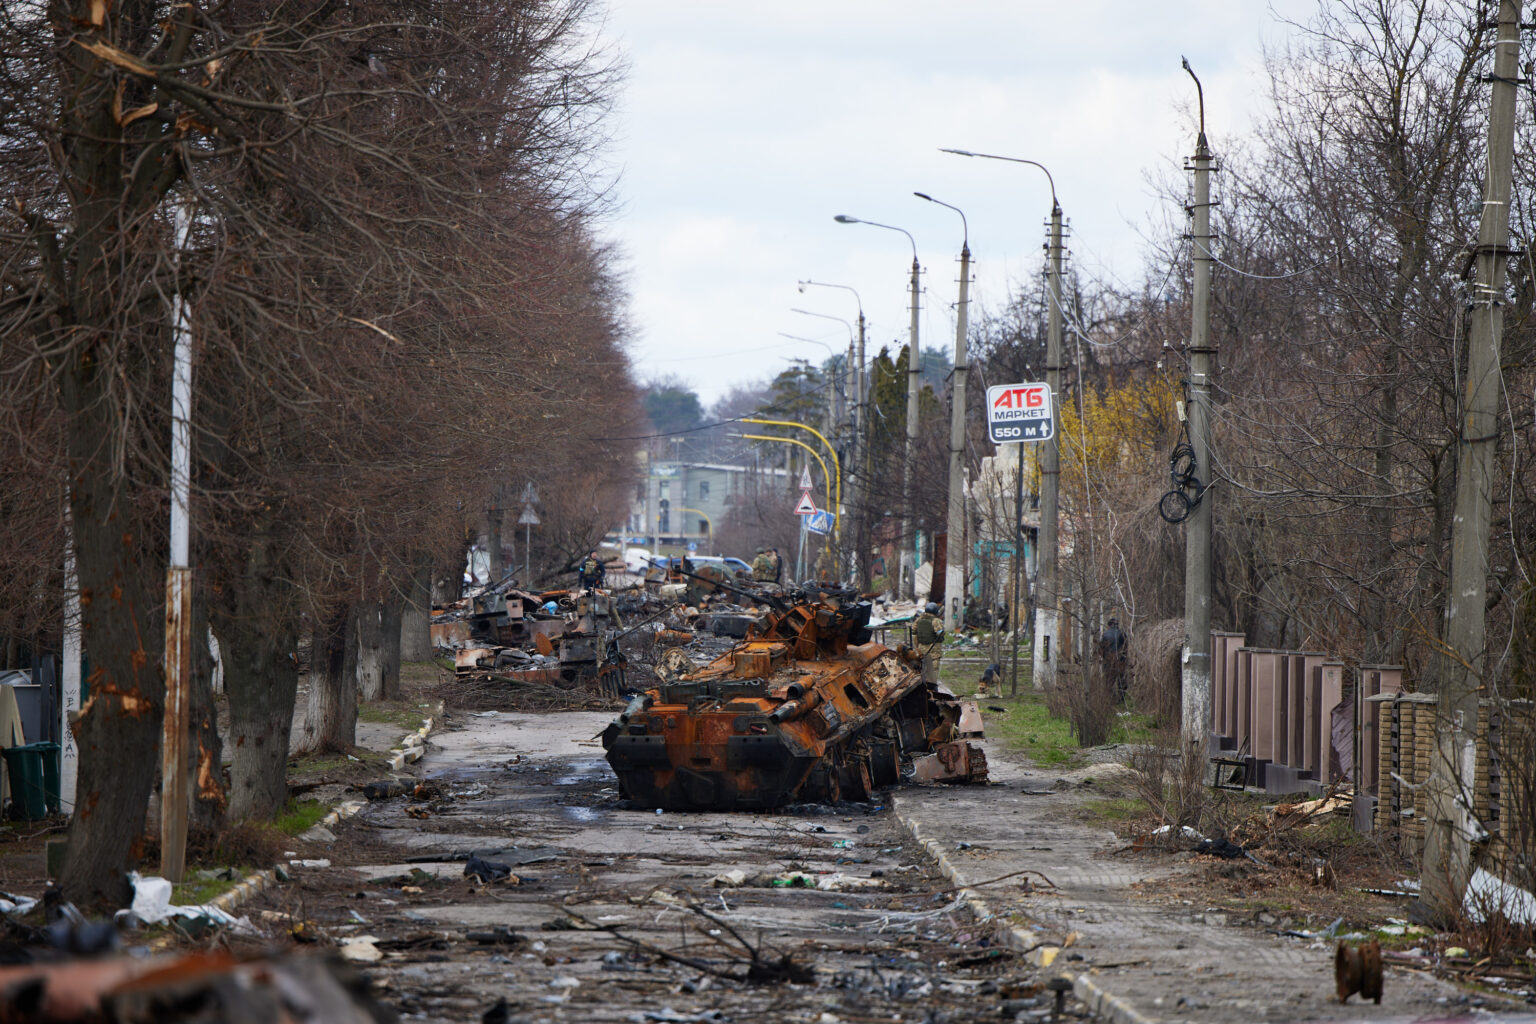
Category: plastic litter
[1487,894]
[152,905]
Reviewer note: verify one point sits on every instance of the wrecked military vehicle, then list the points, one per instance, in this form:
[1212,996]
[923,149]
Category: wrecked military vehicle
[806,708]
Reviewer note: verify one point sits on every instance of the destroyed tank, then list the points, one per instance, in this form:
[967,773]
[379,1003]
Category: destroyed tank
[806,708]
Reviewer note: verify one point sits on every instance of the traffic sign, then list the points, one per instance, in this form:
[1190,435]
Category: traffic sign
[529,517]
[805,478]
[1019,412]
[820,522]
[805,506]
[693,547]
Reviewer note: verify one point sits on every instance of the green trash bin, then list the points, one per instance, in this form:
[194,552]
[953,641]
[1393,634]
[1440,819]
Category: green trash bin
[24,766]
[50,774]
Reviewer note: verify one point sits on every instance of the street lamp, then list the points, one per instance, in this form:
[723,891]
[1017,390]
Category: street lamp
[840,409]
[1046,601]
[908,569]
[856,426]
[954,546]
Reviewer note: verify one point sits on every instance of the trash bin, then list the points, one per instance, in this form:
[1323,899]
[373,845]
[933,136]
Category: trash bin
[50,774]
[32,767]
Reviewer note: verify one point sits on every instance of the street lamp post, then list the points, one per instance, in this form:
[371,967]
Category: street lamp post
[954,546]
[1046,601]
[908,558]
[859,447]
[840,410]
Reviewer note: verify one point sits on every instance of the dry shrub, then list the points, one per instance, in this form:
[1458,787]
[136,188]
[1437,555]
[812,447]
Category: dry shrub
[241,844]
[1156,677]
[1083,696]
[1171,780]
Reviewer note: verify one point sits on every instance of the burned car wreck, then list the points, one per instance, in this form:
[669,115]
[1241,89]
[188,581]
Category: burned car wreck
[806,708]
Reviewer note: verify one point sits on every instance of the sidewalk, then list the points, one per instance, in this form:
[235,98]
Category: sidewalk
[1134,959]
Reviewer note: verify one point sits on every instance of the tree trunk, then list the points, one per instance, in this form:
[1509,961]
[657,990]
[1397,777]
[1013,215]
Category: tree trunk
[391,612]
[370,651]
[261,679]
[416,617]
[330,720]
[119,728]
[206,798]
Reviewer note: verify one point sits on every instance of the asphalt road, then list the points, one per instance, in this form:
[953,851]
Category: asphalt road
[614,914]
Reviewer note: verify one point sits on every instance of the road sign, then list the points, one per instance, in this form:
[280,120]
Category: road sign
[1019,412]
[693,547]
[820,522]
[805,478]
[805,506]
[529,517]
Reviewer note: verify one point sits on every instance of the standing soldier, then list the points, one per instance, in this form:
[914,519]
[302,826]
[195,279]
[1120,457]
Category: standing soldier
[1112,654]
[591,572]
[778,565]
[762,567]
[928,634]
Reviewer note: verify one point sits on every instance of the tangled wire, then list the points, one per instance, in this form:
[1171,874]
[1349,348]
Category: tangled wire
[1180,502]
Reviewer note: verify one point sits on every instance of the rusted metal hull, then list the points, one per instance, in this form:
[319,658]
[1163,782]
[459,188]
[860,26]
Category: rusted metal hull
[797,712]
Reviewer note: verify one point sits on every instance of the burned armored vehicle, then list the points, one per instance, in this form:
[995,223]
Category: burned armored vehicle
[806,708]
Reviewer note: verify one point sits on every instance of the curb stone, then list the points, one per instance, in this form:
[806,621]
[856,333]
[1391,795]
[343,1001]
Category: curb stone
[1102,1004]
[415,743]
[409,751]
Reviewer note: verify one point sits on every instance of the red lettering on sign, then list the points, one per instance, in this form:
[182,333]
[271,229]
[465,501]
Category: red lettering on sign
[1020,398]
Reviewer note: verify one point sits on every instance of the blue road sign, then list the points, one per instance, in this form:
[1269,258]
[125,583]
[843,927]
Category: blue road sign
[821,522]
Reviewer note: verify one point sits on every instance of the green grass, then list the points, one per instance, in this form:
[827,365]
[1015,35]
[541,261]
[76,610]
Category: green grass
[1027,726]
[300,815]
[409,718]
[1115,808]
[194,892]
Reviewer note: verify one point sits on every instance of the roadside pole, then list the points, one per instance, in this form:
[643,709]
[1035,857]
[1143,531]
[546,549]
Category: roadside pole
[1018,414]
[955,546]
[1451,828]
[178,595]
[1195,687]
[908,556]
[1046,600]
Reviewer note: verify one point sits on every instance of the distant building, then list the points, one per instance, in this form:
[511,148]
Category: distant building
[680,503]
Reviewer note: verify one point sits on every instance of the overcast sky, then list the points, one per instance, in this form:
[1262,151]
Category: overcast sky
[744,127]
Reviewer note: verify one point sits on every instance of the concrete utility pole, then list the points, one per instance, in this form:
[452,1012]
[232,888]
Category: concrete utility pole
[955,547]
[1195,688]
[1047,601]
[856,443]
[908,543]
[1452,828]
[909,459]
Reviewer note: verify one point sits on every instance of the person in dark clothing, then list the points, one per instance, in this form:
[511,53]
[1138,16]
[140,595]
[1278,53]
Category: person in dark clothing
[592,572]
[928,638]
[1112,655]
[778,565]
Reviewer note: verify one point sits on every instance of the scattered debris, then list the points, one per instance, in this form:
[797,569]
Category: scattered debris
[362,950]
[1358,969]
[1221,847]
[487,871]
[152,905]
[203,987]
[1487,895]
